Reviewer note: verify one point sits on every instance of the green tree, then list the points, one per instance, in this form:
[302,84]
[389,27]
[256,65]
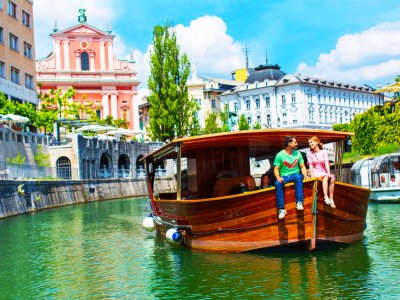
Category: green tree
[172,113]
[257,126]
[13,107]
[211,124]
[342,127]
[224,116]
[54,105]
[42,159]
[375,128]
[243,124]
[17,160]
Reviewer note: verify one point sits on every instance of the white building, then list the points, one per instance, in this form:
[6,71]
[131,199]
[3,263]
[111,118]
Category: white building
[275,99]
[206,91]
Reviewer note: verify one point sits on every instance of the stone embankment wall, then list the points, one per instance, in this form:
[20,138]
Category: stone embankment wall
[19,197]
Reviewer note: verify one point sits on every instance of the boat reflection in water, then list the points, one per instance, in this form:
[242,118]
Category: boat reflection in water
[335,272]
[380,174]
[207,213]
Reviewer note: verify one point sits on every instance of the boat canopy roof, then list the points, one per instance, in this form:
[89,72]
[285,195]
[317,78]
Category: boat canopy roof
[386,163]
[259,142]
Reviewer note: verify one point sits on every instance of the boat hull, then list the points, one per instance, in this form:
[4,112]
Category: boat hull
[249,221]
[385,195]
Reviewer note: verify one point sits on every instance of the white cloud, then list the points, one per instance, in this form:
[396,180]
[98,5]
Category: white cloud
[208,45]
[370,55]
[143,69]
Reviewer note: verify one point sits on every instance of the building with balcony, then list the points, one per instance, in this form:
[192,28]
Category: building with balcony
[83,58]
[17,51]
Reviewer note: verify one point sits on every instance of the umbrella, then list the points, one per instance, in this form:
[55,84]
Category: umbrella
[123,131]
[106,137]
[4,119]
[11,118]
[95,128]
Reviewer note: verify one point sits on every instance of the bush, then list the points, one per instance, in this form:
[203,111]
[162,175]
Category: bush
[388,148]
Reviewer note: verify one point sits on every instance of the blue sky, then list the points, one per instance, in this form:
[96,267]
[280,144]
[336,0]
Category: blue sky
[345,40]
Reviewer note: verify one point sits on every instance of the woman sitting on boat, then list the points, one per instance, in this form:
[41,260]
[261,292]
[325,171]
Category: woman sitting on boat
[318,162]
[249,185]
[264,182]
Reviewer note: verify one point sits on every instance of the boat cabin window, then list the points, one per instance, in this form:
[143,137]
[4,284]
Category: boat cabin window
[384,166]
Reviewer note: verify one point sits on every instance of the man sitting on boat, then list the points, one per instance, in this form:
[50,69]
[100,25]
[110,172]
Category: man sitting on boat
[287,165]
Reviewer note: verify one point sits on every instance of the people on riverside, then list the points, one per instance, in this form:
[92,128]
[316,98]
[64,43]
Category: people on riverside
[318,162]
[226,170]
[383,181]
[287,165]
[264,182]
[248,185]
[393,182]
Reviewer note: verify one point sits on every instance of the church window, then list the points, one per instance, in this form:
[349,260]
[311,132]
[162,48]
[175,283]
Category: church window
[84,61]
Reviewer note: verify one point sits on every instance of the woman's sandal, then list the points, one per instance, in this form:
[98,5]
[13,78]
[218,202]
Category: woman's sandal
[332,203]
[327,201]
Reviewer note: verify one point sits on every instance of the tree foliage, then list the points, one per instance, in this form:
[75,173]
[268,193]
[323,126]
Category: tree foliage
[211,124]
[22,109]
[55,105]
[375,128]
[171,112]
[17,160]
[243,124]
[42,159]
[257,126]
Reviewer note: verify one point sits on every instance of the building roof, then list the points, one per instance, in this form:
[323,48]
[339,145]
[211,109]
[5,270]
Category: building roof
[265,72]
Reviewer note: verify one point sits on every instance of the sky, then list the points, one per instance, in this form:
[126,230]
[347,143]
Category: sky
[352,41]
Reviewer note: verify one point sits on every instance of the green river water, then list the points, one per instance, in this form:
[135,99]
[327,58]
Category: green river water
[100,251]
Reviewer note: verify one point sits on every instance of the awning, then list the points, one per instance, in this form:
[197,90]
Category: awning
[123,131]
[95,128]
[13,119]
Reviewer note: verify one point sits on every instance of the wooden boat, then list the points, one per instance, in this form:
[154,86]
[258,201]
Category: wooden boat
[375,173]
[204,215]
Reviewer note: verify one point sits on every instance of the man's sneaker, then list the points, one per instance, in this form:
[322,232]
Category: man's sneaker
[299,206]
[282,214]
[327,201]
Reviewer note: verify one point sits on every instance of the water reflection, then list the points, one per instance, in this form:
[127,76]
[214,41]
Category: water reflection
[100,250]
[332,273]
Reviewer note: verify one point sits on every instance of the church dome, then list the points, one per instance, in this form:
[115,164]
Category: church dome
[265,72]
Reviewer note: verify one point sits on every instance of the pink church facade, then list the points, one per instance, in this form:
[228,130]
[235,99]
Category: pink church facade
[83,58]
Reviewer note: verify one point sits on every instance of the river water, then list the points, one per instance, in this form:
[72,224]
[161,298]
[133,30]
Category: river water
[99,250]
